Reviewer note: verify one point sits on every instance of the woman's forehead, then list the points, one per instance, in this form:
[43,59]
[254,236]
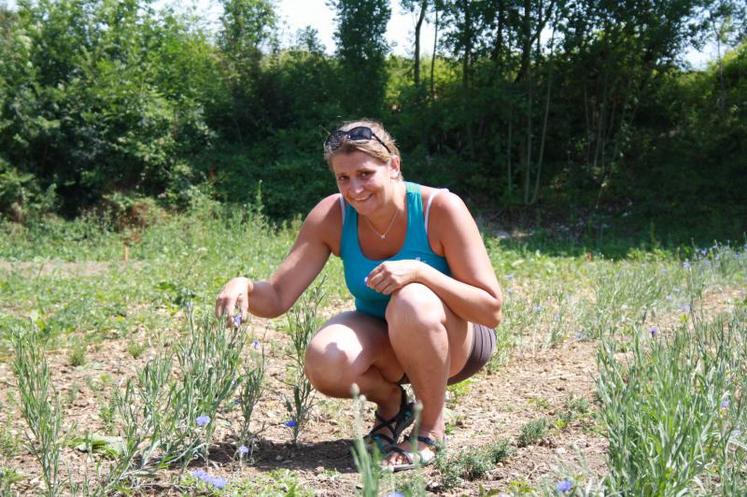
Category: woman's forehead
[354,160]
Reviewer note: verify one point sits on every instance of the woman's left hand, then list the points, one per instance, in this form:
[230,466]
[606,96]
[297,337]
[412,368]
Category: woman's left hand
[393,275]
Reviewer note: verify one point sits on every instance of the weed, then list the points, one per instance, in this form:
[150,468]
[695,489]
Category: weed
[471,464]
[457,391]
[136,348]
[532,432]
[77,354]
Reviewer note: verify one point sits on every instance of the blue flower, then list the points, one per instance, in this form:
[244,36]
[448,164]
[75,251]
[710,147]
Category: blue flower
[564,486]
[395,494]
[653,330]
[200,474]
[685,307]
[725,404]
[236,320]
[686,264]
[202,420]
[243,450]
[291,423]
[255,344]
[217,482]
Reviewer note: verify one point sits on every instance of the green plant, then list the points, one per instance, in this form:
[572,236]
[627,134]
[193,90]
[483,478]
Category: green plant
[368,464]
[176,413]
[136,348]
[251,390]
[303,321]
[671,410]
[471,464]
[532,432]
[77,354]
[40,405]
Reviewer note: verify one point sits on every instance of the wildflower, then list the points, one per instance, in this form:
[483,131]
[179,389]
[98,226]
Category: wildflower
[255,344]
[200,474]
[236,320]
[686,264]
[291,423]
[685,307]
[395,494]
[564,486]
[725,404]
[217,482]
[202,420]
[243,450]
[653,330]
[537,308]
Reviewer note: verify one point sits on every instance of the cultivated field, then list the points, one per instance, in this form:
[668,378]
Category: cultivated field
[621,376]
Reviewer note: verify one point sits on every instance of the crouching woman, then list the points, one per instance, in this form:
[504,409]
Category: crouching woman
[426,297]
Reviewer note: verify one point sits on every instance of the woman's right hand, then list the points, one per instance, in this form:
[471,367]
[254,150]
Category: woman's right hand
[234,294]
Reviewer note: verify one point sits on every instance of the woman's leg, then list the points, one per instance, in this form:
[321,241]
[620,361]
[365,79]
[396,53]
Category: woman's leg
[353,347]
[432,344]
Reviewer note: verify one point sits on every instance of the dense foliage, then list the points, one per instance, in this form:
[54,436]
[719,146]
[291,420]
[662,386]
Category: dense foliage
[569,105]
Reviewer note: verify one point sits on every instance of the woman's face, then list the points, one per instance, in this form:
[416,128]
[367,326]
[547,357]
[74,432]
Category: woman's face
[365,182]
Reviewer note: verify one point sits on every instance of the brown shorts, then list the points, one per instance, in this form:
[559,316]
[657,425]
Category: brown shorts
[483,346]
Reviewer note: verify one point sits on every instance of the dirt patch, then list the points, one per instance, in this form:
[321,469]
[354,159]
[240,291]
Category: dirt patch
[62,268]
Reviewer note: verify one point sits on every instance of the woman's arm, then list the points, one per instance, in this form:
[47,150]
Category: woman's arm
[271,298]
[472,290]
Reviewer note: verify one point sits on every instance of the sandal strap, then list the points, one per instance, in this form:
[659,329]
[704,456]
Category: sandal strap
[397,423]
[429,441]
[380,436]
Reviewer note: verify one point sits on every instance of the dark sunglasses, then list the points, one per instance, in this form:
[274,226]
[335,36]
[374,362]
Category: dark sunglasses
[359,133]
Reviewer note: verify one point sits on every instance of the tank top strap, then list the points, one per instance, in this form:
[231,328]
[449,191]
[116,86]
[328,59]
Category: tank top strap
[349,226]
[416,235]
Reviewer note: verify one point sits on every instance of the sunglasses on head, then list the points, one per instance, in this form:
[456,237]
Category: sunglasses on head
[359,133]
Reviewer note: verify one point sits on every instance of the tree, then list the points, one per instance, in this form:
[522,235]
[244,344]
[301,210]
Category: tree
[362,49]
[422,6]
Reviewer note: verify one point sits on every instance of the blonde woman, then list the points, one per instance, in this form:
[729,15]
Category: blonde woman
[426,296]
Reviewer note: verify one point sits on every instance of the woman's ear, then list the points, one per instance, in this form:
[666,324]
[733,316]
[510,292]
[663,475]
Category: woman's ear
[394,171]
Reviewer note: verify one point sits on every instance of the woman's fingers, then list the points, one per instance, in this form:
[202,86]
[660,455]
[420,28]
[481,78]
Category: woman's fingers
[242,302]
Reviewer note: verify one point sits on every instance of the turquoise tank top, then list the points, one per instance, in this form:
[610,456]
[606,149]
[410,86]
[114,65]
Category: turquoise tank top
[357,266]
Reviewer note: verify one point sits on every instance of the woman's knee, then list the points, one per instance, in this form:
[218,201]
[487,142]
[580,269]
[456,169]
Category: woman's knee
[328,368]
[416,305]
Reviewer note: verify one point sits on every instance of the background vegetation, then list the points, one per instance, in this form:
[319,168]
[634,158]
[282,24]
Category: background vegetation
[533,110]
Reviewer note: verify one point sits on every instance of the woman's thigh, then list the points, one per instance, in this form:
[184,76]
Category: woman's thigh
[347,345]
[417,305]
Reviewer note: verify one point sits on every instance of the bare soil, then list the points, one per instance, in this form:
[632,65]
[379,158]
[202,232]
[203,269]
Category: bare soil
[535,383]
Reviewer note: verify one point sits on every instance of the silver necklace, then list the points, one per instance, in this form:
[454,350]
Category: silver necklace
[386,231]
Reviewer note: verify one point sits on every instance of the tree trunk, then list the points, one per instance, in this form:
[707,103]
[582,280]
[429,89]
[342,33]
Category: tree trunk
[418,26]
[433,57]
[544,121]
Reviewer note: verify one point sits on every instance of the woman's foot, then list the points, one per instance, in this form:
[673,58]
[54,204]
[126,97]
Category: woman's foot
[411,454]
[391,421]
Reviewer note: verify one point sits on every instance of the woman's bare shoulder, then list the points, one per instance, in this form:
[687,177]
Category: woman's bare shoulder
[325,221]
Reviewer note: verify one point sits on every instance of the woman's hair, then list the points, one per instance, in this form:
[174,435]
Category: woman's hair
[371,147]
